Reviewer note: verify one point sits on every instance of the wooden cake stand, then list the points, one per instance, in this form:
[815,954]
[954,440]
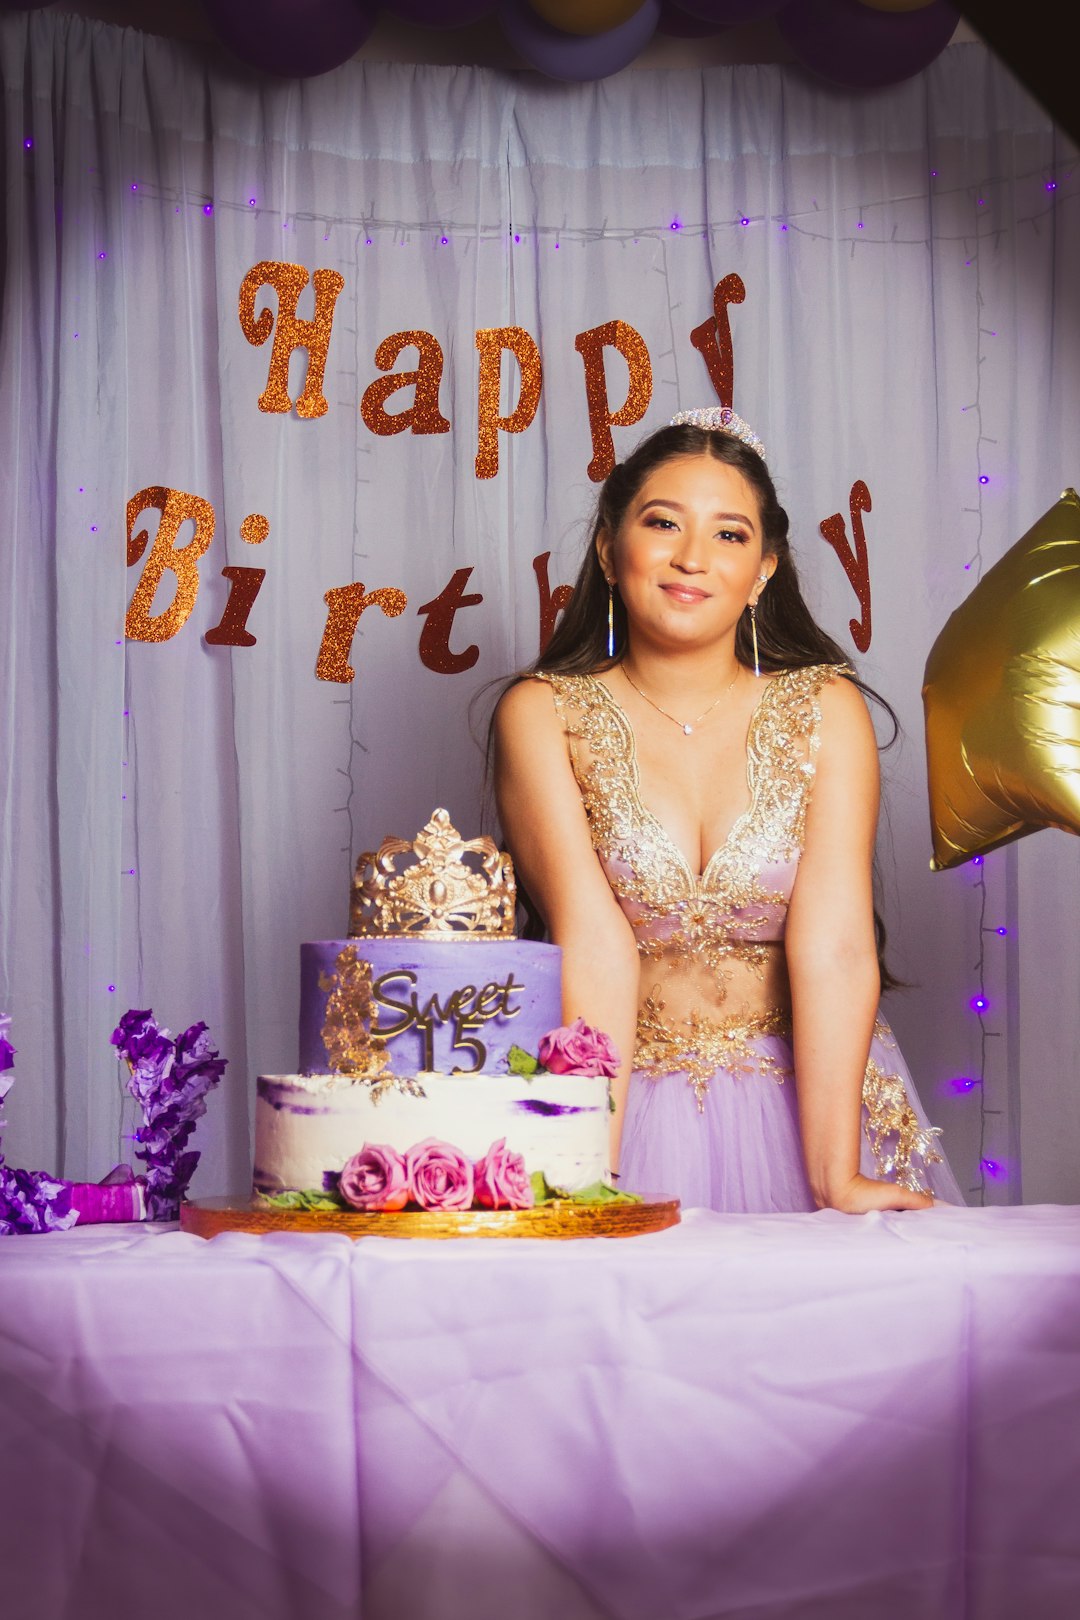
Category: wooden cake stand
[207,1217]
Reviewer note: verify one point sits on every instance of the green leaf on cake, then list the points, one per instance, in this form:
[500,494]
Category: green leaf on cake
[598,1192]
[521,1062]
[312,1198]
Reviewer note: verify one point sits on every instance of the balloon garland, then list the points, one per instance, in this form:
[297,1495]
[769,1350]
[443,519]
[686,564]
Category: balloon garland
[861,44]
[864,47]
[585,16]
[292,39]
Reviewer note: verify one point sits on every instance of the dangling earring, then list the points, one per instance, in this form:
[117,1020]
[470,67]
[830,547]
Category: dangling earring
[763,580]
[611,618]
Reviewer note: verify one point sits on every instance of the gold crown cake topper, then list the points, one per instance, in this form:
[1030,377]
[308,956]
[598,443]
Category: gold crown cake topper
[454,887]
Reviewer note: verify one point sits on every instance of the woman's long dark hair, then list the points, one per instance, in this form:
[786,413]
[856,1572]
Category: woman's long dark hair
[788,637]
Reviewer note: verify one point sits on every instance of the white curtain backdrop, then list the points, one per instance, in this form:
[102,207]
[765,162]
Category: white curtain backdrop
[176,816]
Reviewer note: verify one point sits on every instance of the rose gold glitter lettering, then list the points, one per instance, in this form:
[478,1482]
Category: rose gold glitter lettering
[712,338]
[424,416]
[255,528]
[231,629]
[289,281]
[344,607]
[491,342]
[176,508]
[552,602]
[435,637]
[631,345]
[856,563]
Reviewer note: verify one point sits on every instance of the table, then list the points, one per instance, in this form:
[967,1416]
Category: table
[788,1417]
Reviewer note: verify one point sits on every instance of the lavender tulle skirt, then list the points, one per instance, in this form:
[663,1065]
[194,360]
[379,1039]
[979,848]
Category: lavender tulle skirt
[742,1151]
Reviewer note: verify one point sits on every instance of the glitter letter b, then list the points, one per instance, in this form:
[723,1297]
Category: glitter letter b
[176,508]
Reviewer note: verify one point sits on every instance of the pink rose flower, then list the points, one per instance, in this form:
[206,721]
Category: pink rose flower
[440,1176]
[579,1049]
[375,1179]
[502,1181]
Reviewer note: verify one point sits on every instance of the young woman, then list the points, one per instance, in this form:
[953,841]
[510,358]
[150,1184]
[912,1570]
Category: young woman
[688,785]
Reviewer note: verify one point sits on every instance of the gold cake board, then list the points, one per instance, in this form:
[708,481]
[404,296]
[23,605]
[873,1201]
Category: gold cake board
[207,1217]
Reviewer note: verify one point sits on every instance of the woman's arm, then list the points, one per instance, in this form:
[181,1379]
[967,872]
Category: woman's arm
[832,959]
[547,834]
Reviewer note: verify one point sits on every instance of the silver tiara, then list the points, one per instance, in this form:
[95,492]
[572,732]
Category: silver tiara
[720,419]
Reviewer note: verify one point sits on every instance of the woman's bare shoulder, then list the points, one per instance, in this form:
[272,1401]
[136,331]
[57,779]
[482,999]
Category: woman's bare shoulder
[847,752]
[845,713]
[528,705]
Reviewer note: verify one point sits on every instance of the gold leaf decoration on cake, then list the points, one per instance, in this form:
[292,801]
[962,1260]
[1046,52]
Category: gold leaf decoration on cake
[351,1048]
[406,1084]
[452,887]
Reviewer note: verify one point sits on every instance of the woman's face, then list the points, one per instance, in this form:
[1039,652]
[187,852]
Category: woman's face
[688,554]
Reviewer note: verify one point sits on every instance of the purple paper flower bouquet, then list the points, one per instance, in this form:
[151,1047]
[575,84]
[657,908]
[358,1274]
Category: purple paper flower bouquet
[169,1078]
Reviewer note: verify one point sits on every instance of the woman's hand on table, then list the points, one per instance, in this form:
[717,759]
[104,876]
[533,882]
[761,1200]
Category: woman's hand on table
[862,1194]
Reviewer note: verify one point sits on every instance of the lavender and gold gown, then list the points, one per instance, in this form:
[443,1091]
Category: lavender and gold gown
[711,1111]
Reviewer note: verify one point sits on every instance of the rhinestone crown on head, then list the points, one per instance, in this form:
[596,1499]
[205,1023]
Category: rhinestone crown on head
[720,419]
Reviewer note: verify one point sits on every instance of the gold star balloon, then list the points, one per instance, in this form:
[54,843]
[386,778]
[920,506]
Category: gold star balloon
[1002,698]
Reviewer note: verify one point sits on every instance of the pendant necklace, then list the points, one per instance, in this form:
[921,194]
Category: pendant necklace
[686,729]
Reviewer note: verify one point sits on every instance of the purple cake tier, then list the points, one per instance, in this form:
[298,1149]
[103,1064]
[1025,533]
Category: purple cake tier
[439,1005]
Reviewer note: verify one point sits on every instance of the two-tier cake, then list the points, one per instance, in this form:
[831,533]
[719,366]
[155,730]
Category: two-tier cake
[423,1026]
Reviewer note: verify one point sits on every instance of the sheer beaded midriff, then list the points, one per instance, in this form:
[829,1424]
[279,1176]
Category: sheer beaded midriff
[713,968]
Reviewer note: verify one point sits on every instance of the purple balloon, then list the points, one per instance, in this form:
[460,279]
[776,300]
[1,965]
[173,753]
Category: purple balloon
[292,39]
[576,57]
[728,12]
[440,13]
[679,24]
[861,48]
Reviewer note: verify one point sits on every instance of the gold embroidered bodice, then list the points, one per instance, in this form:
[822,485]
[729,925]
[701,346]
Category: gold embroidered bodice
[711,944]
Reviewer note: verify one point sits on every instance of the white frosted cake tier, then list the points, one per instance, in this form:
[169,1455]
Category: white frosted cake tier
[308,1126]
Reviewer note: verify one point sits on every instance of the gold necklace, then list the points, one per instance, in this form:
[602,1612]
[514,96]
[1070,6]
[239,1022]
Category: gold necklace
[686,729]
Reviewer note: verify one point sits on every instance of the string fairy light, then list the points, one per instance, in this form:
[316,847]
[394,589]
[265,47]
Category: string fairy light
[811,221]
[980,1002]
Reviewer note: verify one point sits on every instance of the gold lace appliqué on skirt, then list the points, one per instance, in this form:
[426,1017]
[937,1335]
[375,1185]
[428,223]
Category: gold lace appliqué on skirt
[698,1047]
[889,1114]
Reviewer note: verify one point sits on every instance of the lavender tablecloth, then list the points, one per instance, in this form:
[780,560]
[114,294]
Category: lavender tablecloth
[807,1417]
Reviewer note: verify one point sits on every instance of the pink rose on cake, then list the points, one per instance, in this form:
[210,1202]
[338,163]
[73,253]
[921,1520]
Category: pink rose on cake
[375,1179]
[502,1182]
[440,1176]
[577,1048]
